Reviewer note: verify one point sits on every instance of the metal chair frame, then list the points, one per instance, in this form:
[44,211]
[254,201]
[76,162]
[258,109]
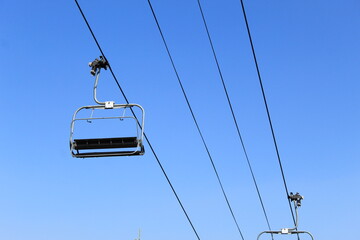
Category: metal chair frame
[296,198]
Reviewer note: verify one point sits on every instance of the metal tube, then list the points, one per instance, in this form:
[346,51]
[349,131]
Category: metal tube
[95,87]
[296,218]
[312,237]
[260,235]
[279,232]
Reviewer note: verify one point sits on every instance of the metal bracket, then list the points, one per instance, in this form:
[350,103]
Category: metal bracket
[109,104]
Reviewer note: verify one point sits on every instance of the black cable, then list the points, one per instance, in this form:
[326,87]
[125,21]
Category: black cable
[194,118]
[232,113]
[267,108]
[146,138]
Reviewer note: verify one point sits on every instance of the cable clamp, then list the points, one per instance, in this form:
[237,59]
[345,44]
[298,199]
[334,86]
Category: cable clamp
[296,198]
[97,64]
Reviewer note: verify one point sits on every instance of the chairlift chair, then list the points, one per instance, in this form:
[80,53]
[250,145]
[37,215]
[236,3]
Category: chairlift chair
[112,146]
[296,198]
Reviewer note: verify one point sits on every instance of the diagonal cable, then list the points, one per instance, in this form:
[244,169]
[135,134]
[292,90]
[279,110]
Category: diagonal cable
[232,113]
[267,108]
[146,138]
[195,121]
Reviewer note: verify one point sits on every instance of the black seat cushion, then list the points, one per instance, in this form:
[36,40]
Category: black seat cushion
[104,143]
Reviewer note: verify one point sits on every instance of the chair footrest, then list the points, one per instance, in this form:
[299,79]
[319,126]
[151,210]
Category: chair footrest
[108,154]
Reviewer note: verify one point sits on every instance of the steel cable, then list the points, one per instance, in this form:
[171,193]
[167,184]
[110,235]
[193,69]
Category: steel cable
[266,107]
[233,114]
[195,121]
[146,138]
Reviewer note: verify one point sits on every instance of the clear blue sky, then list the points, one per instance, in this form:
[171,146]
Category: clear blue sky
[309,57]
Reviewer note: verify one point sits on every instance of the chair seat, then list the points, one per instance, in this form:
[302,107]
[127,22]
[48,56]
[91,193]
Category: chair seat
[105,143]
